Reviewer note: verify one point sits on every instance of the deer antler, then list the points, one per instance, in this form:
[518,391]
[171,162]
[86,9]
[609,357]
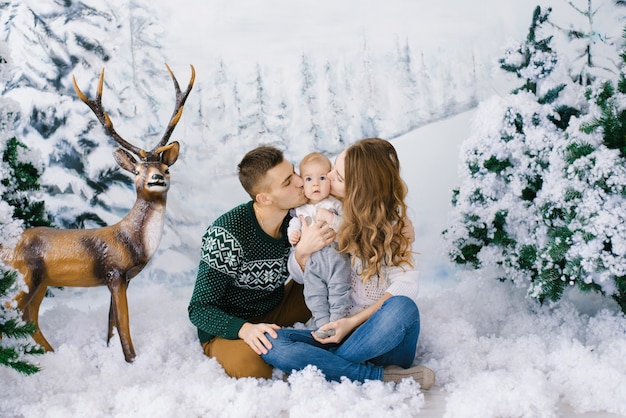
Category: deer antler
[178,108]
[105,120]
[103,117]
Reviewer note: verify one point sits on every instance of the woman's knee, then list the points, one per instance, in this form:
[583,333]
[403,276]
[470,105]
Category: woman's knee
[403,305]
[278,345]
[284,345]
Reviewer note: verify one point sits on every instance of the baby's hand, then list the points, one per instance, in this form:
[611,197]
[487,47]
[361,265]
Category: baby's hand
[325,215]
[324,334]
[294,237]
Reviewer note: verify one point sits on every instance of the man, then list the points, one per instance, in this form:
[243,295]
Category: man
[241,291]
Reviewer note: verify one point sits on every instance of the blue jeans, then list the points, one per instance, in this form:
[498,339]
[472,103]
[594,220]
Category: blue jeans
[388,337]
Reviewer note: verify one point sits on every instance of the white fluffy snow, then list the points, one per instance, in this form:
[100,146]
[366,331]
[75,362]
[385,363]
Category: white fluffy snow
[495,352]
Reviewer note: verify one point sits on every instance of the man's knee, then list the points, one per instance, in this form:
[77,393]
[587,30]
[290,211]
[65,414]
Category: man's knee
[252,366]
[237,358]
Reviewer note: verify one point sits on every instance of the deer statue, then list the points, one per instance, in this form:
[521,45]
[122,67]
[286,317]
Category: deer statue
[110,256]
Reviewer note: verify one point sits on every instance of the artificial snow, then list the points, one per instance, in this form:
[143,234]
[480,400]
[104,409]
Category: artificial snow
[495,352]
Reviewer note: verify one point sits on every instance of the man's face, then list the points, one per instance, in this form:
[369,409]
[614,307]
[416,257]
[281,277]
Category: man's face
[285,186]
[316,181]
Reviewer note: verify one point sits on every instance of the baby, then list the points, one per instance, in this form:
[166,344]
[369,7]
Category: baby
[327,274]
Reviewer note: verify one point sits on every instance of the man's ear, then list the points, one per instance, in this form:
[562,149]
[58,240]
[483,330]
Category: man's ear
[263,199]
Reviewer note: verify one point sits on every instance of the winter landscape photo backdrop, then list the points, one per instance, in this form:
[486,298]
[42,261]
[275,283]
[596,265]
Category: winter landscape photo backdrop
[302,76]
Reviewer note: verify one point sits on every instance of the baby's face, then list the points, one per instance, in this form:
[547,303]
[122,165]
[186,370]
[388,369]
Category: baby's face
[316,182]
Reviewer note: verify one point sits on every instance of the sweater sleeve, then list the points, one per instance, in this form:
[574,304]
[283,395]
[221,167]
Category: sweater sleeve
[209,291]
[294,224]
[403,282]
[294,268]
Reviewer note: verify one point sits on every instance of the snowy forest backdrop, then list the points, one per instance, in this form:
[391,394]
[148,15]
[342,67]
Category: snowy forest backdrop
[305,75]
[320,102]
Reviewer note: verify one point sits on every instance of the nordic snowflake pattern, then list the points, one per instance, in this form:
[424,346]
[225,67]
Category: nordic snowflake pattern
[223,252]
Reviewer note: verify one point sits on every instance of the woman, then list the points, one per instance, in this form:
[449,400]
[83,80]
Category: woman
[378,340]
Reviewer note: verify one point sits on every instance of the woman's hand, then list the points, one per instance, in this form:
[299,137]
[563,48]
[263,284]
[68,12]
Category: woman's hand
[409,230]
[313,238]
[345,326]
[342,327]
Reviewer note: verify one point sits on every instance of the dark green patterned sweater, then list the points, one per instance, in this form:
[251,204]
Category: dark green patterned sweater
[241,275]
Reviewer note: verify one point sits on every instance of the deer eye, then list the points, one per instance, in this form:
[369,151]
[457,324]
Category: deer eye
[167,171]
[136,172]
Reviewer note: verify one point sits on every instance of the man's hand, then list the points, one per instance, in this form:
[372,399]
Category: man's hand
[254,336]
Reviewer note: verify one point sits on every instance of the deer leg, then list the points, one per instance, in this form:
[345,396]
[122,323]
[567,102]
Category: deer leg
[120,303]
[29,304]
[112,320]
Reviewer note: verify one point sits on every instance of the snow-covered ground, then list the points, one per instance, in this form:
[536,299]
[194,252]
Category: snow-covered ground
[496,353]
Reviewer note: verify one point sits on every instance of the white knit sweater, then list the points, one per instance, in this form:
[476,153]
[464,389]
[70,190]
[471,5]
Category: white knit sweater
[397,281]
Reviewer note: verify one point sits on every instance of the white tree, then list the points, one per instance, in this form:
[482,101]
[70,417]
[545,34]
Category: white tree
[66,41]
[309,91]
[370,98]
[335,115]
[591,47]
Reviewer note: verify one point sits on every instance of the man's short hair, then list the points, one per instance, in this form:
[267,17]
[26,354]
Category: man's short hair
[255,165]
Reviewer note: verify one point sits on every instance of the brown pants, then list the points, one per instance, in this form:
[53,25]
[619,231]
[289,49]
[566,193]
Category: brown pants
[237,358]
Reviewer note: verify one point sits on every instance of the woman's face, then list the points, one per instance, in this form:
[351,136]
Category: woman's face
[337,177]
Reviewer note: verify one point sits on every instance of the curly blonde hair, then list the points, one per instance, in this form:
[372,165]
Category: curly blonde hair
[374,208]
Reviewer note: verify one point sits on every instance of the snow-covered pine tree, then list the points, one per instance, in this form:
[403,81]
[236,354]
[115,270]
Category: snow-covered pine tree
[281,113]
[596,176]
[16,347]
[451,93]
[18,176]
[219,120]
[543,195]
[349,99]
[261,107]
[425,83]
[497,223]
[309,91]
[21,180]
[18,179]
[335,117]
[56,41]
[276,110]
[45,81]
[407,103]
[369,98]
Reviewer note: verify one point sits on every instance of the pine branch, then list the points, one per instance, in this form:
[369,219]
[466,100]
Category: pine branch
[14,328]
[7,279]
[10,357]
